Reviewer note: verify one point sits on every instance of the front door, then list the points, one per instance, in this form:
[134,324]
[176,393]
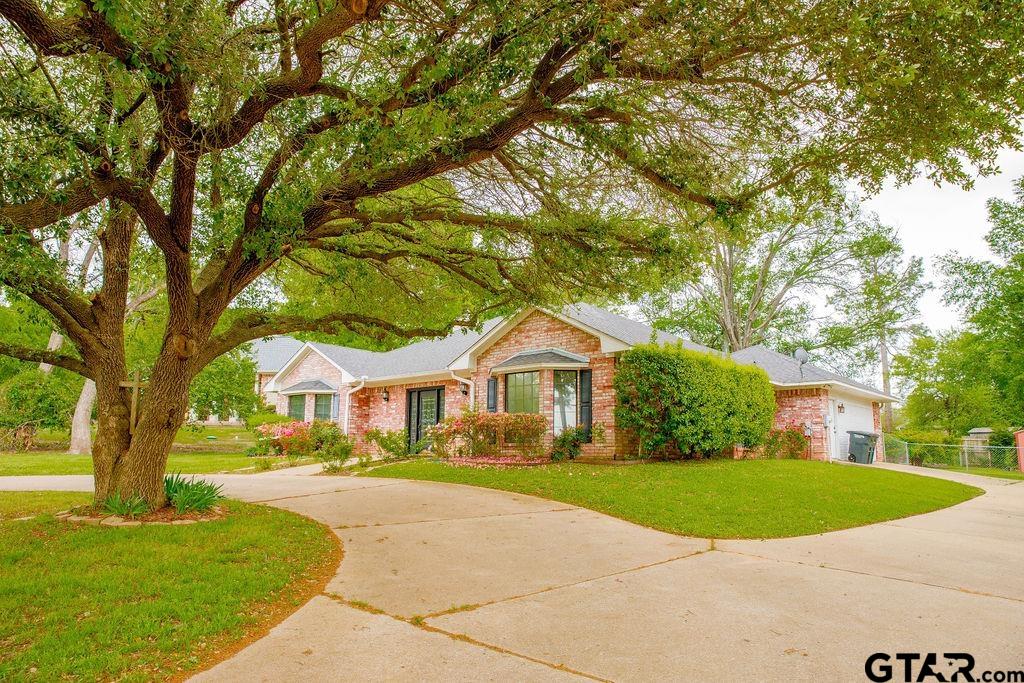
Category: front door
[424,409]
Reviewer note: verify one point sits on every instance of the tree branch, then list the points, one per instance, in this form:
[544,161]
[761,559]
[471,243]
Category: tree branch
[49,357]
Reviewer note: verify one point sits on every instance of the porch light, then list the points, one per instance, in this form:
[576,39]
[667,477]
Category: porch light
[841,408]
[387,396]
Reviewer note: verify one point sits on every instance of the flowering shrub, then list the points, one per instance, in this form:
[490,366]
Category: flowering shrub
[485,435]
[294,440]
[290,439]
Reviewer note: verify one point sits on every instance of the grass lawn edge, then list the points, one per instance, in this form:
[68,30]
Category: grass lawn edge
[311,586]
[974,492]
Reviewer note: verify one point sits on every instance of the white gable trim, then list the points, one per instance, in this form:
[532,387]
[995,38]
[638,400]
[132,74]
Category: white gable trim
[467,361]
[297,358]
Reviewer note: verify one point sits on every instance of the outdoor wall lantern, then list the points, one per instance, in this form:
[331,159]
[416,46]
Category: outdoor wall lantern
[387,396]
[841,408]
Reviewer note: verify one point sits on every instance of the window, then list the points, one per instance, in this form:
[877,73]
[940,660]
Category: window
[522,392]
[322,407]
[566,400]
[297,407]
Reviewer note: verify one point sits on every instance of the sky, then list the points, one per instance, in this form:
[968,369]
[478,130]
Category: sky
[935,220]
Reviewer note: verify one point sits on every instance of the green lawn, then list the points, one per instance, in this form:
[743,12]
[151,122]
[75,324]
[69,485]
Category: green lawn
[152,602]
[23,504]
[45,462]
[988,472]
[717,498]
[211,438]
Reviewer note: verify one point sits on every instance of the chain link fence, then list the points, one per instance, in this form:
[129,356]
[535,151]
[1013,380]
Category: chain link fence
[953,456]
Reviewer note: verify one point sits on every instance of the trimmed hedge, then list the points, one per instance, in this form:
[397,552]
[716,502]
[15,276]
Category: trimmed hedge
[691,403]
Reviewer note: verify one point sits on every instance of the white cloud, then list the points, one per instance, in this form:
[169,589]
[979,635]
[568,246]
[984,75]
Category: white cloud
[934,220]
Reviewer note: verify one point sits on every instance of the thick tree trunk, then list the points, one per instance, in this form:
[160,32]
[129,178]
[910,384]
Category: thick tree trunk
[132,463]
[81,423]
[113,435]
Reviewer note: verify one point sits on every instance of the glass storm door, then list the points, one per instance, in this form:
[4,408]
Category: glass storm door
[424,409]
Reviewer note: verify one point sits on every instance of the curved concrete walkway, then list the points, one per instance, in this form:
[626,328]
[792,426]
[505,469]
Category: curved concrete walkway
[441,581]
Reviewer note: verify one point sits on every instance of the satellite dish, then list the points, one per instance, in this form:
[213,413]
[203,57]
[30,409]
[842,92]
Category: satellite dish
[802,355]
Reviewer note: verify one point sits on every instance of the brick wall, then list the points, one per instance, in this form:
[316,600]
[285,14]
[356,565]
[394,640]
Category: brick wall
[312,367]
[370,410]
[540,331]
[798,407]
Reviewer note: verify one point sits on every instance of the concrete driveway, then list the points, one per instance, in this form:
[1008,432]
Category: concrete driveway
[441,581]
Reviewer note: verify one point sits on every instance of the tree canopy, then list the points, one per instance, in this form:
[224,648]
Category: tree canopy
[428,162]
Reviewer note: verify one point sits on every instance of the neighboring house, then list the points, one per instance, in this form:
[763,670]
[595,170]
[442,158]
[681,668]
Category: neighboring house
[270,355]
[560,364]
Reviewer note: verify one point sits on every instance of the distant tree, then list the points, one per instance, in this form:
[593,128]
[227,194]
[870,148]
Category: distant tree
[227,386]
[879,305]
[43,399]
[991,296]
[948,385]
[759,275]
[237,137]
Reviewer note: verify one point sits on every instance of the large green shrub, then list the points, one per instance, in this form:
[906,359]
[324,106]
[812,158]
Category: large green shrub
[46,400]
[677,400]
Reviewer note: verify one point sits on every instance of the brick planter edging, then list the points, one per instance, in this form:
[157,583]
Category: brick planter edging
[114,520]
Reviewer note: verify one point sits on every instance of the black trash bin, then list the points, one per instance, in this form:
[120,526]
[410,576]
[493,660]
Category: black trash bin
[862,447]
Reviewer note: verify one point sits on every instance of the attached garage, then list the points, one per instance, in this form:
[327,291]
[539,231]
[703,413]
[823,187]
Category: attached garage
[848,413]
[824,405]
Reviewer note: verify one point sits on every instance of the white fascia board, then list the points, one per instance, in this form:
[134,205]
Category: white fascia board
[876,396]
[307,391]
[297,357]
[392,380]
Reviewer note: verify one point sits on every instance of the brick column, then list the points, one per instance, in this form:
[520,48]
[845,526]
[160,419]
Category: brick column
[1018,436]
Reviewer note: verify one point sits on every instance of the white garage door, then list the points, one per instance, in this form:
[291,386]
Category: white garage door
[856,416]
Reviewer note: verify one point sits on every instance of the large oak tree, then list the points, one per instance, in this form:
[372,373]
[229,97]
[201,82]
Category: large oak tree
[430,160]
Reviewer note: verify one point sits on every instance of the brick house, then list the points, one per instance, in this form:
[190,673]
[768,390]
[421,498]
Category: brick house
[559,364]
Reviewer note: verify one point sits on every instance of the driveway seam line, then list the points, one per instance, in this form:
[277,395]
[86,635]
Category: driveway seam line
[462,637]
[966,591]
[473,608]
[320,493]
[455,519]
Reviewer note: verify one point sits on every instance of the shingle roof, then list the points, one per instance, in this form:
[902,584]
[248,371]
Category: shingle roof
[272,353]
[314,386]
[430,355]
[537,357]
[435,355]
[783,369]
[623,328]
